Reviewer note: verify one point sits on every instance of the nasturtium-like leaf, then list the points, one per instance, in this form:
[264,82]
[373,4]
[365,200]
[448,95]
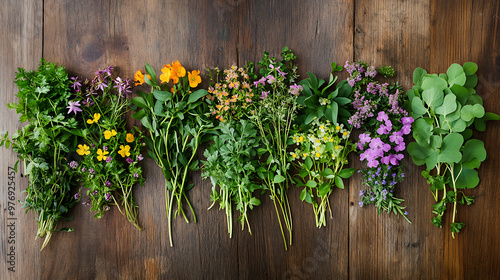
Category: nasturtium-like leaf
[422,130]
[458,125]
[417,107]
[475,99]
[450,148]
[443,76]
[418,76]
[470,68]
[433,97]
[461,93]
[436,141]
[471,81]
[456,75]
[449,105]
[467,178]
[473,153]
[433,81]
[162,95]
[480,123]
[469,112]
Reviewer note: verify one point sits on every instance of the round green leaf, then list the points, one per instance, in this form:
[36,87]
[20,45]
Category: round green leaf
[468,177]
[418,76]
[449,105]
[433,97]
[456,75]
[450,148]
[417,107]
[470,68]
[469,112]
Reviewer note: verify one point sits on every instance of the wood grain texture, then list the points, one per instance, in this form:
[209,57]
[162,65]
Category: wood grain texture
[357,243]
[21,46]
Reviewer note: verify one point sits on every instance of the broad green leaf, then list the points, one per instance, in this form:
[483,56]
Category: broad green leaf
[461,93]
[456,75]
[339,183]
[150,71]
[305,196]
[458,126]
[422,130]
[308,163]
[468,177]
[475,99]
[254,201]
[278,179]
[162,95]
[311,184]
[195,96]
[450,149]
[417,107]
[480,123]
[469,112]
[324,189]
[470,68]
[310,118]
[146,123]
[418,76]
[346,173]
[139,114]
[473,150]
[433,97]
[471,81]
[140,102]
[326,172]
[449,105]
[433,81]
[436,141]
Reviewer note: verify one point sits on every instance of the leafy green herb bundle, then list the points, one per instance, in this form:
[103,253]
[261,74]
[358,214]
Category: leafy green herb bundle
[176,119]
[44,143]
[444,106]
[231,165]
[273,115]
[109,158]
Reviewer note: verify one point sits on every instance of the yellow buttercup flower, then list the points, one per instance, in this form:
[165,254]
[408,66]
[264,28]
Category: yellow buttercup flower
[83,150]
[97,116]
[101,155]
[108,134]
[124,150]
[194,78]
[129,137]
[337,127]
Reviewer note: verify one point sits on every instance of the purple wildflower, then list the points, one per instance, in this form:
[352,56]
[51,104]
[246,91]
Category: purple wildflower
[107,184]
[360,204]
[74,106]
[106,208]
[295,89]
[77,84]
[270,79]
[371,72]
[260,81]
[91,171]
[108,196]
[73,164]
[109,159]
[76,196]
[405,213]
[129,160]
[361,193]
[136,175]
[264,95]
[95,193]
[124,86]
[83,169]
[372,198]
[140,157]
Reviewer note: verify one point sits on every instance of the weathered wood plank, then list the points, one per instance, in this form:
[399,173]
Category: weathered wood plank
[21,46]
[382,246]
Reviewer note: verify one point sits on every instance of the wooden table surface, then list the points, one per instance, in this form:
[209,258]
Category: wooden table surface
[357,243]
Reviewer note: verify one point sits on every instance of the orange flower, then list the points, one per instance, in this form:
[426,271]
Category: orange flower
[166,74]
[194,78]
[130,137]
[178,69]
[139,78]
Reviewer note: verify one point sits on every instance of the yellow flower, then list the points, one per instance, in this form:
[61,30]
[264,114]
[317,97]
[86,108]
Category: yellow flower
[166,73]
[304,155]
[83,150]
[337,147]
[317,155]
[108,134]
[194,78]
[124,150]
[301,139]
[294,155]
[97,116]
[129,137]
[101,155]
[337,127]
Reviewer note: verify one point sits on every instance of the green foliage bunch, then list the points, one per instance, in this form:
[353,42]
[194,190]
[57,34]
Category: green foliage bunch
[444,107]
[44,143]
[231,165]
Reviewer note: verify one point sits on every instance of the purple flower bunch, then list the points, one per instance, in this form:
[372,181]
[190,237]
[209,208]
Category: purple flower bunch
[379,113]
